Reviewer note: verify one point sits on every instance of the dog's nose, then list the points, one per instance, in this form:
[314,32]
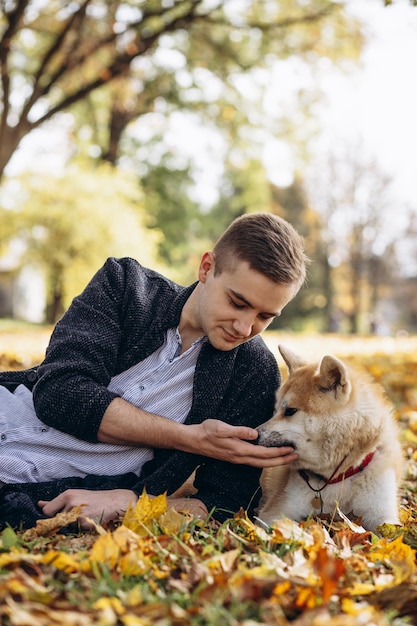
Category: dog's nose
[273,439]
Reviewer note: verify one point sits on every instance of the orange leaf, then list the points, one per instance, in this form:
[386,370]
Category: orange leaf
[330,569]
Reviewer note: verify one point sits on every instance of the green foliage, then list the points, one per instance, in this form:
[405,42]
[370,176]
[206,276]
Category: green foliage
[112,64]
[310,305]
[170,210]
[188,231]
[72,223]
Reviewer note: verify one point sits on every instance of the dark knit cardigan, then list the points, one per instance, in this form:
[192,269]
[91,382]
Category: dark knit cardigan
[121,318]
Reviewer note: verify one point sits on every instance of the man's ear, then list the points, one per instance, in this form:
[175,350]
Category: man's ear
[206,265]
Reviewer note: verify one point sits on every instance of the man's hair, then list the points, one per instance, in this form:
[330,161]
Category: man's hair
[268,243]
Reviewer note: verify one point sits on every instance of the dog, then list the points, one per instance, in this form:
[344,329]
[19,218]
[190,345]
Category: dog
[341,425]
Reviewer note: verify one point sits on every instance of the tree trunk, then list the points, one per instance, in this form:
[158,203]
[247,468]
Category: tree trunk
[55,304]
[10,138]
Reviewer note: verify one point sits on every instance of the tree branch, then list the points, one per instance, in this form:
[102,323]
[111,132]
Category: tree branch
[118,66]
[13,18]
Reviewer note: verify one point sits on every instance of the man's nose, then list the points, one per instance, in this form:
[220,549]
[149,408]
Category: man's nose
[243,324]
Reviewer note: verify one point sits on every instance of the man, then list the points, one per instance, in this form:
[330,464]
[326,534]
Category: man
[145,381]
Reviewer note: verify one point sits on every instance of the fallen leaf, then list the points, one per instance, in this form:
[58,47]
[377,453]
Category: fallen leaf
[147,509]
[49,526]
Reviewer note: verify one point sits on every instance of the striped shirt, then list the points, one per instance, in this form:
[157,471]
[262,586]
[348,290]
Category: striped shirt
[31,451]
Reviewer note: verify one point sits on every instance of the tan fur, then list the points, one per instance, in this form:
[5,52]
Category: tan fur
[340,416]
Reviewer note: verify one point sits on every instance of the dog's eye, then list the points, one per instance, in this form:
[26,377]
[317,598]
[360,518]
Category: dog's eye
[289,411]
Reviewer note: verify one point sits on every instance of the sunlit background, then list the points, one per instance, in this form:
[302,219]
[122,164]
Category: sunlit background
[303,108]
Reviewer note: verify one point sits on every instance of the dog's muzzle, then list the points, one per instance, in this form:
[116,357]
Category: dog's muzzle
[272,439]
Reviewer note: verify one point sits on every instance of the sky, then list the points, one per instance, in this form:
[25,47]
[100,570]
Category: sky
[378,102]
[374,105]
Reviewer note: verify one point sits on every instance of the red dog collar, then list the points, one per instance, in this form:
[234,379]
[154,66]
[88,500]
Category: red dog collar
[351,471]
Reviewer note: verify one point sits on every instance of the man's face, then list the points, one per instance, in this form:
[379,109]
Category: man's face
[238,304]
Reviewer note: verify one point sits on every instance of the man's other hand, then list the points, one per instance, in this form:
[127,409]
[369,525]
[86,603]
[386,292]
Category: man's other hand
[218,440]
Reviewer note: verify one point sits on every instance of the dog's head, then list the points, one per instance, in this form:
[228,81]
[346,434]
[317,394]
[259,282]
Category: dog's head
[318,412]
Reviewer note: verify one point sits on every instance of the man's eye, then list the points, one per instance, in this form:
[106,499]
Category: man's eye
[236,304]
[267,318]
[289,411]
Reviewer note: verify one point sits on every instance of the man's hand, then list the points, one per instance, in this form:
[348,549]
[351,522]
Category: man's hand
[126,424]
[105,506]
[188,505]
[218,440]
[102,506]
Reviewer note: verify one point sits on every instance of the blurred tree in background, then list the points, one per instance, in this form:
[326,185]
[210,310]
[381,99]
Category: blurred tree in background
[119,80]
[69,224]
[127,56]
[359,237]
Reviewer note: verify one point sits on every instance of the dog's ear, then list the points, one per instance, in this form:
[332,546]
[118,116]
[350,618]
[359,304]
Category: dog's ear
[333,376]
[292,360]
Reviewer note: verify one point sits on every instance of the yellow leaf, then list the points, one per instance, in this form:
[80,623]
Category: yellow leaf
[368,614]
[400,557]
[62,561]
[13,557]
[361,589]
[131,597]
[122,550]
[390,531]
[244,523]
[109,605]
[15,586]
[409,436]
[106,550]
[133,620]
[134,563]
[307,598]
[281,588]
[173,523]
[125,538]
[147,509]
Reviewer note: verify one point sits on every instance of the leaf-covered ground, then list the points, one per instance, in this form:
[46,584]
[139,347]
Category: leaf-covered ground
[159,567]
